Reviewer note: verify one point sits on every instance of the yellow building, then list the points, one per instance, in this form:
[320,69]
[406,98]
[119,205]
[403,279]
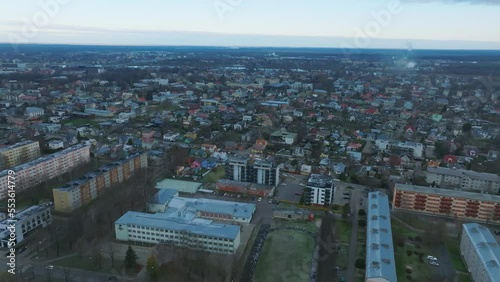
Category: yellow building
[19,153]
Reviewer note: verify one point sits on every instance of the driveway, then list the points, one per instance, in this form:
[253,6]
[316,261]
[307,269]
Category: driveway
[445,268]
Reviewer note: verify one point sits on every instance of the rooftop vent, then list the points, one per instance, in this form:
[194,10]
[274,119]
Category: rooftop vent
[386,261]
[375,264]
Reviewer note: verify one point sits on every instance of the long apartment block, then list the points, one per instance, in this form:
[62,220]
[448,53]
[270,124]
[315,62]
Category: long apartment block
[19,153]
[42,169]
[447,203]
[82,191]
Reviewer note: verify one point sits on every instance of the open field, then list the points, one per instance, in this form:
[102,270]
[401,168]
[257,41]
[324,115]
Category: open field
[453,246]
[408,255]
[287,254]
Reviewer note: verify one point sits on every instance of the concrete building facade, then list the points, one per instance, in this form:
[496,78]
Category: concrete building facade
[246,169]
[480,252]
[82,191]
[447,203]
[463,179]
[45,168]
[25,222]
[319,190]
[184,230]
[19,153]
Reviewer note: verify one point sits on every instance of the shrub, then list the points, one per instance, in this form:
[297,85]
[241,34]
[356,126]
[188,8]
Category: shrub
[417,246]
[416,253]
[408,271]
[401,243]
[418,239]
[410,238]
[360,263]
[409,252]
[408,277]
[361,212]
[362,223]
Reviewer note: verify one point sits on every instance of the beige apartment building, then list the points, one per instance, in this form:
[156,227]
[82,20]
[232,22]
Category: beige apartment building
[82,191]
[447,203]
[42,169]
[463,179]
[19,153]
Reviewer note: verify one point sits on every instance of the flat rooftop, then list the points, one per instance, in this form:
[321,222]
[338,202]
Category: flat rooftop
[486,247]
[448,193]
[464,173]
[380,262]
[179,185]
[193,226]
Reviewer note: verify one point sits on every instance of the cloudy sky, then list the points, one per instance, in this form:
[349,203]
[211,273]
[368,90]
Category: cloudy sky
[417,24]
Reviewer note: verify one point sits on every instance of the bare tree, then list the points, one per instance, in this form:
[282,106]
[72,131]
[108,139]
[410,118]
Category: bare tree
[111,252]
[67,274]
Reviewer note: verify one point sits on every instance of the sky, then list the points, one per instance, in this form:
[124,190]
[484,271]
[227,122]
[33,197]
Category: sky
[401,24]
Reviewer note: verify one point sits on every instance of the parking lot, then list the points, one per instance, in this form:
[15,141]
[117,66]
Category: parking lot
[291,188]
[350,193]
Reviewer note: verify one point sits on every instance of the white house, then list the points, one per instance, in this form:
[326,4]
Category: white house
[34,112]
[56,144]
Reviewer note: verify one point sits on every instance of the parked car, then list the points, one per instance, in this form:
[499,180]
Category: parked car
[49,267]
[260,199]
[435,263]
[432,258]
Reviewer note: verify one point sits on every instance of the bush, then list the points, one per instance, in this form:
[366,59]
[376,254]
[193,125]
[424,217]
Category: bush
[362,223]
[409,252]
[401,243]
[417,246]
[408,277]
[361,212]
[416,253]
[410,238]
[418,239]
[408,271]
[360,263]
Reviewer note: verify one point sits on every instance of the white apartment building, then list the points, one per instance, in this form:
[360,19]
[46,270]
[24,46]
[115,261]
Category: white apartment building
[18,153]
[178,228]
[481,253]
[463,179]
[319,190]
[34,112]
[42,169]
[25,221]
[56,144]
[415,149]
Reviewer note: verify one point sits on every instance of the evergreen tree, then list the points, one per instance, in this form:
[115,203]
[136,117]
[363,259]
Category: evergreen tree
[130,258]
[152,268]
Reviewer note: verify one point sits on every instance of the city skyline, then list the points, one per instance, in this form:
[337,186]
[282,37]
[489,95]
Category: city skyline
[356,24]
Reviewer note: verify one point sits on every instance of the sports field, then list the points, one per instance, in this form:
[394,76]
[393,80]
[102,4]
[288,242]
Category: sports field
[286,256]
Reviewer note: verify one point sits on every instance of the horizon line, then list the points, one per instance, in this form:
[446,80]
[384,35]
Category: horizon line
[242,46]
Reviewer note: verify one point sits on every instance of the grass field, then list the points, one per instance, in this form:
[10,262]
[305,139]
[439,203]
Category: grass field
[88,264]
[403,260]
[286,256]
[453,246]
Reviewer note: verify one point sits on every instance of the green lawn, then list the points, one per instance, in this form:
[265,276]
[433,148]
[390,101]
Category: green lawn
[420,269]
[216,174]
[343,230]
[453,246]
[90,264]
[286,256]
[462,277]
